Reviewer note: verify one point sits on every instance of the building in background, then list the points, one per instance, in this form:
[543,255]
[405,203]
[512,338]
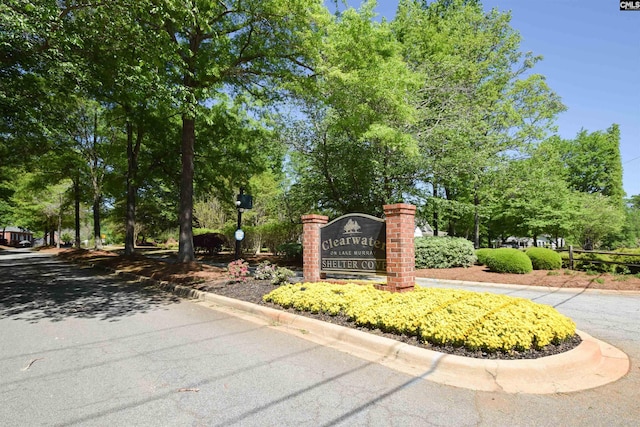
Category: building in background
[16,236]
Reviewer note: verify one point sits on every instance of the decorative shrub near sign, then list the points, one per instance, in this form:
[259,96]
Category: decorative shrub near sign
[354,244]
[544,259]
[444,252]
[508,260]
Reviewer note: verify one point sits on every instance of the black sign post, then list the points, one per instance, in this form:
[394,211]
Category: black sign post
[243,201]
[354,244]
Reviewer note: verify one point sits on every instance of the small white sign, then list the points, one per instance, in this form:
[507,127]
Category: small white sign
[239,234]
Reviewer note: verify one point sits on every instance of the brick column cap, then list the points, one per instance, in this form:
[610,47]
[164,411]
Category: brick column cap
[399,209]
[314,219]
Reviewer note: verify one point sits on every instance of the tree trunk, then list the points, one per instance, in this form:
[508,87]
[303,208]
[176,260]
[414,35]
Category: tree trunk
[258,244]
[96,187]
[451,225]
[96,222]
[185,242]
[59,224]
[76,198]
[435,211]
[132,189]
[476,221]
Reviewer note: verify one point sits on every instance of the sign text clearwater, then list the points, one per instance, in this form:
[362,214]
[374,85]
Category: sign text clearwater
[354,244]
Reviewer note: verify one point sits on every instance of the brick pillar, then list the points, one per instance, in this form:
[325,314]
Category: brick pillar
[311,246]
[400,220]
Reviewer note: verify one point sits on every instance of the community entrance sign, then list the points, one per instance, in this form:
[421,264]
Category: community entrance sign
[354,244]
[362,244]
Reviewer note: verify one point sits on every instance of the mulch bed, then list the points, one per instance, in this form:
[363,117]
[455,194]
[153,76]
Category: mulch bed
[253,291]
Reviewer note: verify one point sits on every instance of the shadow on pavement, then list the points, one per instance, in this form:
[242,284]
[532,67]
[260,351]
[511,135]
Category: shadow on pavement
[35,288]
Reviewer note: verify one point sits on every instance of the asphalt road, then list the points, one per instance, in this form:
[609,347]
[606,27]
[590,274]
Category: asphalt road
[80,348]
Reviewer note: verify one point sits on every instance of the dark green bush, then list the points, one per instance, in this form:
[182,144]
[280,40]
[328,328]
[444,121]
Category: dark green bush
[593,262]
[443,252]
[605,263]
[482,255]
[627,259]
[508,260]
[544,259]
[291,250]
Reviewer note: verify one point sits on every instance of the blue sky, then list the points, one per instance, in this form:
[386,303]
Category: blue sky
[591,54]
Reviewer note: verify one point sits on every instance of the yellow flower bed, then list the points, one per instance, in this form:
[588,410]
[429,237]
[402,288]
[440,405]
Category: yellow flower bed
[474,320]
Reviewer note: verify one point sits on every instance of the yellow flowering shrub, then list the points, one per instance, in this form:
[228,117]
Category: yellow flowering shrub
[474,320]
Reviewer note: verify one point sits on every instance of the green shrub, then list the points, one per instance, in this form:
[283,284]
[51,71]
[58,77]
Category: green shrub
[265,271]
[443,252]
[627,259]
[277,275]
[282,276]
[276,233]
[564,256]
[598,263]
[291,250]
[544,259]
[482,255]
[605,263]
[508,260]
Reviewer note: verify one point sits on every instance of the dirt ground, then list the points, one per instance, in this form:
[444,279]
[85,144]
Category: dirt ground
[199,272]
[554,278]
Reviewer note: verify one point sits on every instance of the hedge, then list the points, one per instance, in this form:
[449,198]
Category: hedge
[482,255]
[508,260]
[544,259]
[443,252]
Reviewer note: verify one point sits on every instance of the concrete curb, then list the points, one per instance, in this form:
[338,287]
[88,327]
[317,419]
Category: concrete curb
[592,364]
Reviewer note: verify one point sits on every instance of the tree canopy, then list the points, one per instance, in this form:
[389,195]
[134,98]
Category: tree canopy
[134,109]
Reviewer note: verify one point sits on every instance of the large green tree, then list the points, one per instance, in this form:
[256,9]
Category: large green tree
[36,79]
[219,48]
[533,198]
[121,59]
[629,235]
[593,163]
[479,104]
[597,218]
[351,150]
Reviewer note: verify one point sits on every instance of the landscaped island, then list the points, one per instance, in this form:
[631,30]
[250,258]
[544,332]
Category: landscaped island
[476,321]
